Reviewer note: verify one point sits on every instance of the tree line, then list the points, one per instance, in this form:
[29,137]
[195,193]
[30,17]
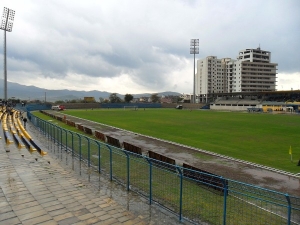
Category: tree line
[114,98]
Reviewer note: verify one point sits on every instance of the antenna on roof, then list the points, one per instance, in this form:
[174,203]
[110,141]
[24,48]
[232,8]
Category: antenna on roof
[258,47]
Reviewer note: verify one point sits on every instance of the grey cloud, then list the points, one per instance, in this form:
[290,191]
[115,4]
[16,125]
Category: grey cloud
[147,40]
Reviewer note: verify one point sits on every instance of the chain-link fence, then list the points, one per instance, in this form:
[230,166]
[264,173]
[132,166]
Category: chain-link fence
[192,195]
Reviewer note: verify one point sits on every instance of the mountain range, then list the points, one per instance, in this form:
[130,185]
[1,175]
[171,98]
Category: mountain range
[23,92]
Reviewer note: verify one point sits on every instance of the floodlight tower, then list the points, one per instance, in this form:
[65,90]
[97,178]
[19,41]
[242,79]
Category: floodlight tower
[6,25]
[194,49]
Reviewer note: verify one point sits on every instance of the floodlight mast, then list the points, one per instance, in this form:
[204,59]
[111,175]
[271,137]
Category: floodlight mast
[6,25]
[194,49]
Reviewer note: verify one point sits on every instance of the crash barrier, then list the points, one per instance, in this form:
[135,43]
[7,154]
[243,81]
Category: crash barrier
[176,190]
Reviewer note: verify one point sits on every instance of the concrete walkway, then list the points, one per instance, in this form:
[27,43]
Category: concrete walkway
[32,191]
[40,190]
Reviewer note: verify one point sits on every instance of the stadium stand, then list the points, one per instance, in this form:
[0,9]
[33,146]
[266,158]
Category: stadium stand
[12,124]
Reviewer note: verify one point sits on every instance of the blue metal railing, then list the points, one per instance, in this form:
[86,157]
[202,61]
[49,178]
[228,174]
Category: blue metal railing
[190,198]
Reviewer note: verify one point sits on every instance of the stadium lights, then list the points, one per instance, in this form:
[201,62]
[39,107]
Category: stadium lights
[6,25]
[194,49]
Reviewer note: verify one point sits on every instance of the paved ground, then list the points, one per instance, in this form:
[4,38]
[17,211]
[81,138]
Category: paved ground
[41,190]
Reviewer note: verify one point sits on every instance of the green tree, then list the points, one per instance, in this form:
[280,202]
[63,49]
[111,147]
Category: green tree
[154,98]
[128,98]
[113,98]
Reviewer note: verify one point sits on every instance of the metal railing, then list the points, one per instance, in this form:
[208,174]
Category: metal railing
[193,199]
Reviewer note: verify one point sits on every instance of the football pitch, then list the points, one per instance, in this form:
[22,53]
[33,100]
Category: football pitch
[256,137]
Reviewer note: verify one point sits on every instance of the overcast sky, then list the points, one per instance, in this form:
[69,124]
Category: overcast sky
[142,46]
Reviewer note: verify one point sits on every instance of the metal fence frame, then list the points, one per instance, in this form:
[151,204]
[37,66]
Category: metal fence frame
[190,199]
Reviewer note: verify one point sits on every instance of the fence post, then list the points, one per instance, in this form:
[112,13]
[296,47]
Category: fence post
[66,146]
[66,139]
[54,133]
[150,180]
[89,150]
[180,193]
[110,162]
[48,130]
[60,140]
[99,157]
[289,209]
[57,139]
[44,128]
[128,170]
[56,130]
[225,188]
[89,153]
[52,136]
[61,144]
[99,152]
[41,122]
[80,155]
[72,149]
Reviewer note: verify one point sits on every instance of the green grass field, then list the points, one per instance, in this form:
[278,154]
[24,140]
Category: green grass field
[260,138]
[198,202]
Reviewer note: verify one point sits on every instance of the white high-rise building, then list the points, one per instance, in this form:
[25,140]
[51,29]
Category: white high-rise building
[251,72]
[257,71]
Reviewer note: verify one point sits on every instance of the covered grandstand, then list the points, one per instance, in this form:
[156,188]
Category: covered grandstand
[272,101]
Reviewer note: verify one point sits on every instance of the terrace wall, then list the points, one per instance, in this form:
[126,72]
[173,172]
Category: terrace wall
[185,105]
[82,105]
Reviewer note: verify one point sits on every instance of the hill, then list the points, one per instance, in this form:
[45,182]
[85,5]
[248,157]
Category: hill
[24,92]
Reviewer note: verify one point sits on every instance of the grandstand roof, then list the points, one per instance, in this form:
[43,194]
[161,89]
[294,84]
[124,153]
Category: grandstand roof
[258,93]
